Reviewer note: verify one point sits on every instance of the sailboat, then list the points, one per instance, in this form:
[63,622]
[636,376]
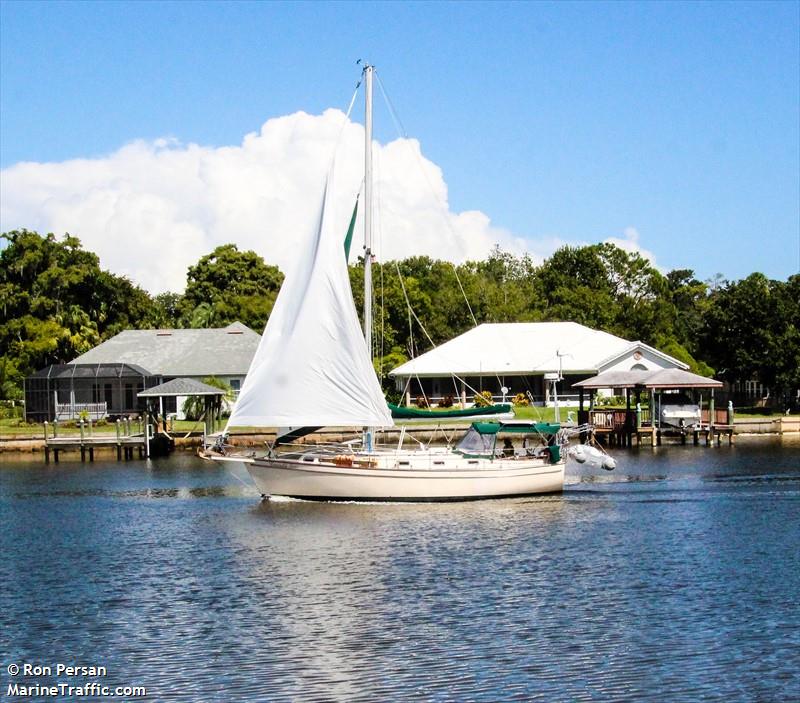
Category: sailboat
[313,369]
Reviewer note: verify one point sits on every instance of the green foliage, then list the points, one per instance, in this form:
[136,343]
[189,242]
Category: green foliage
[165,311]
[483,399]
[610,401]
[520,400]
[228,285]
[56,304]
[194,406]
[752,331]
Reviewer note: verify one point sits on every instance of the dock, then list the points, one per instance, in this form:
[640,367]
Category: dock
[130,436]
[621,428]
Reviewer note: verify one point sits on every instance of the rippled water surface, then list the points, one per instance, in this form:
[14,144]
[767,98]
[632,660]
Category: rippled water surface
[674,578]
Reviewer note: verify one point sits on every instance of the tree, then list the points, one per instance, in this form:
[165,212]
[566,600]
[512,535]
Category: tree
[194,406]
[752,331]
[165,311]
[230,285]
[57,303]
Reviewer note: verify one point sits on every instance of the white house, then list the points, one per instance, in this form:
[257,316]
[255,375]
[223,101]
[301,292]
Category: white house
[523,357]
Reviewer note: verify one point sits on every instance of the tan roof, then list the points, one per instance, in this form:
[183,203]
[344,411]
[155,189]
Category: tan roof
[663,378]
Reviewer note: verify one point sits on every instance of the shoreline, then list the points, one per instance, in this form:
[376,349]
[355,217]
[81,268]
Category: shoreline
[22,444]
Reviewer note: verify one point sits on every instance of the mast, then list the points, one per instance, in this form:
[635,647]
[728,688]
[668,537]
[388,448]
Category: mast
[368,69]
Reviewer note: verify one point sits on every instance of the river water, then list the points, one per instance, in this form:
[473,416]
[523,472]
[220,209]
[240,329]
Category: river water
[674,578]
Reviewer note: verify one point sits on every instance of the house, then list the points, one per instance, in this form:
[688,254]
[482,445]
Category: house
[107,379]
[523,357]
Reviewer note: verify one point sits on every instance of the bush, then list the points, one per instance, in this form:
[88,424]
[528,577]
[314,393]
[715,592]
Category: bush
[422,402]
[446,402]
[10,411]
[483,399]
[521,400]
[609,401]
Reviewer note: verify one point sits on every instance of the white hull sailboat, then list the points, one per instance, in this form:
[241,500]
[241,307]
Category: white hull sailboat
[313,369]
[321,481]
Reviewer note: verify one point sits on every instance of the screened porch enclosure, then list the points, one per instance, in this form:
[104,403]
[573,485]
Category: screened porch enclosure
[435,389]
[96,391]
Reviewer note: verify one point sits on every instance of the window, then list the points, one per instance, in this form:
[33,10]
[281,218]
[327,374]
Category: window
[476,443]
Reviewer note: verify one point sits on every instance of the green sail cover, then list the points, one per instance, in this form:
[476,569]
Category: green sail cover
[519,428]
[400,413]
[348,240]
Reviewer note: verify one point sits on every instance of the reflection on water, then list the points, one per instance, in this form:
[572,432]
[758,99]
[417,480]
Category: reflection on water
[673,578]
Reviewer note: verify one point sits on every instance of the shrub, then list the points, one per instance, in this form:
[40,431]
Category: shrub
[521,400]
[609,401]
[483,399]
[9,411]
[446,402]
[422,402]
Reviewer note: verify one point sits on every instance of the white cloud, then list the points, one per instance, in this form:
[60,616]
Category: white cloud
[151,209]
[630,243]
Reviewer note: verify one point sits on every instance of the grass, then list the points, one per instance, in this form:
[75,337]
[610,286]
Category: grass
[17,427]
[20,428]
[537,414]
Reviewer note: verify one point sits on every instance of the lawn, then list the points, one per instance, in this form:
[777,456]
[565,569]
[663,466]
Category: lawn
[537,414]
[20,428]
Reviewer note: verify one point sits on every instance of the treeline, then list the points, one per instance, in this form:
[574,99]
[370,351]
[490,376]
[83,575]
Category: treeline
[58,303]
[736,330]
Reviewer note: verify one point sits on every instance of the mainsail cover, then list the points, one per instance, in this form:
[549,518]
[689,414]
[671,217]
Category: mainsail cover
[312,367]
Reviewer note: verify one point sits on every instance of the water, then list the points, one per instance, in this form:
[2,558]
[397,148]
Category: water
[674,578]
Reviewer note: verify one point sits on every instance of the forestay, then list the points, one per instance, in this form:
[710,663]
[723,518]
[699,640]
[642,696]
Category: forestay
[312,365]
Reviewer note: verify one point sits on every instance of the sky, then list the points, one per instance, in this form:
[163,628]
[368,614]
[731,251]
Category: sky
[156,131]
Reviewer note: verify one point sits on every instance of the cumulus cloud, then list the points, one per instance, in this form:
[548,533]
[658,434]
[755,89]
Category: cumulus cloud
[630,243]
[152,208]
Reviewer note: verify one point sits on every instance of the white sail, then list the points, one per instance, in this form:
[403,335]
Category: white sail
[312,366]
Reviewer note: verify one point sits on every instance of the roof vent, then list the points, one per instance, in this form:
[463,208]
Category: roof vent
[235,332]
[163,334]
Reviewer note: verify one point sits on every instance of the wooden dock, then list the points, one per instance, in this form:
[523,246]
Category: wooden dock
[129,437]
[620,428]
[700,435]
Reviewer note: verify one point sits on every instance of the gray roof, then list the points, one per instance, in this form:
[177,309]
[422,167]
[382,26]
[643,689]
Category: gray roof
[180,386]
[225,351]
[661,378]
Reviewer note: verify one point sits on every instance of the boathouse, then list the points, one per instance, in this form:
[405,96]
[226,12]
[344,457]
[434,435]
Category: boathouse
[533,358]
[106,381]
[659,390]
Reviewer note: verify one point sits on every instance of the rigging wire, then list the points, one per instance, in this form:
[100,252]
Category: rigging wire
[328,172]
[441,211]
[402,132]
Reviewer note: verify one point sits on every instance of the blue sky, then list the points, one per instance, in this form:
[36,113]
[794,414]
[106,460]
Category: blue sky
[560,121]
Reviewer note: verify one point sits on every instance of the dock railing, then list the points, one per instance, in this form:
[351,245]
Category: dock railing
[74,411]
